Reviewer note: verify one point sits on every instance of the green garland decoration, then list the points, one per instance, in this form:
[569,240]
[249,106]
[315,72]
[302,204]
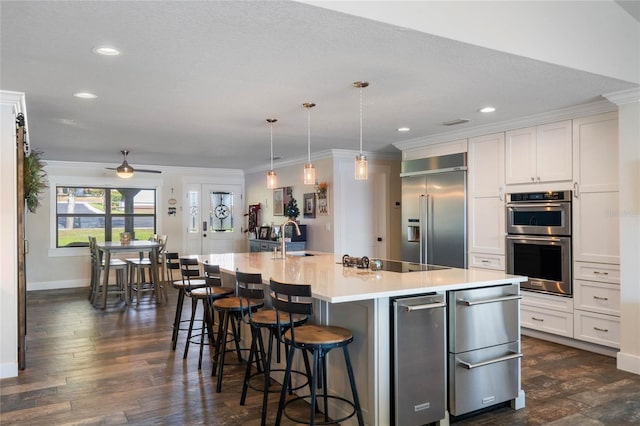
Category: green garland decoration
[34,180]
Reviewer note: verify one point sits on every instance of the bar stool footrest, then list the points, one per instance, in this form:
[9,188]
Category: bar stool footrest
[261,374]
[319,397]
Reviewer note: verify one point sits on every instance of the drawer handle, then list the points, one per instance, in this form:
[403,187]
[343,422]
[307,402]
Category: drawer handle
[600,273]
[485,261]
[411,308]
[481,302]
[601,329]
[469,366]
[600,298]
[537,319]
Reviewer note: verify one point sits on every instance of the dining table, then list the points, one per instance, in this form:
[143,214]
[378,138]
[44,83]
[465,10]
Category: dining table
[107,248]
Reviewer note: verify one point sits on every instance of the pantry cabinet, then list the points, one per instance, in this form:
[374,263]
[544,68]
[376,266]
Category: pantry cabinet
[539,154]
[596,226]
[486,201]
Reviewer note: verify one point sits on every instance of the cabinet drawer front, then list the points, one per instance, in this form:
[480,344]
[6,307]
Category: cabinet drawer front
[597,328]
[554,322]
[547,301]
[592,296]
[486,261]
[265,246]
[597,272]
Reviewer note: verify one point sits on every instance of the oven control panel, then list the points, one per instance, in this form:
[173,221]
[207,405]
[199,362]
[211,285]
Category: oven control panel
[541,196]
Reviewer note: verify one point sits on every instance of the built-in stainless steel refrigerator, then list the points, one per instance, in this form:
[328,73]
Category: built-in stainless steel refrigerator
[434,224]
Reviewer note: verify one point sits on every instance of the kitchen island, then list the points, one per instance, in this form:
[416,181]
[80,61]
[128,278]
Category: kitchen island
[359,299]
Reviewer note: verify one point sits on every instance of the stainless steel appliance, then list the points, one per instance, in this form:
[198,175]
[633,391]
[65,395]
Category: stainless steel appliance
[434,225]
[484,347]
[418,359]
[539,240]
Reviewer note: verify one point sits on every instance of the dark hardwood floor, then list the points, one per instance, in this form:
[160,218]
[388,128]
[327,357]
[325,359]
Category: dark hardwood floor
[87,366]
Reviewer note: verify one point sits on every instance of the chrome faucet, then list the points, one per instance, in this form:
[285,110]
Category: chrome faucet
[283,243]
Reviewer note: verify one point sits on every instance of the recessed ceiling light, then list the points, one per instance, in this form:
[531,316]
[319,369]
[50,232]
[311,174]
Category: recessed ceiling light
[403,129]
[85,95]
[487,109]
[106,51]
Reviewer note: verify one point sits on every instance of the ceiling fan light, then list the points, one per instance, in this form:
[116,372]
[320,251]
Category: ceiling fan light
[272,179]
[361,167]
[124,170]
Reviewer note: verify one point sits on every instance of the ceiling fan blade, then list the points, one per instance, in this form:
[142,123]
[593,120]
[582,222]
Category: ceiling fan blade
[147,171]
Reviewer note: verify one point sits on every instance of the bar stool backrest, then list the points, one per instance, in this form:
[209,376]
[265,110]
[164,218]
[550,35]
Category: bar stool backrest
[190,269]
[249,286]
[212,274]
[172,263]
[291,299]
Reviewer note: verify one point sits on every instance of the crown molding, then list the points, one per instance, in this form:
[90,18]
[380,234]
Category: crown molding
[624,96]
[532,120]
[99,168]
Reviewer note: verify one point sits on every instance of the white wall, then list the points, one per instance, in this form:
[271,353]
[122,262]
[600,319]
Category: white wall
[10,104]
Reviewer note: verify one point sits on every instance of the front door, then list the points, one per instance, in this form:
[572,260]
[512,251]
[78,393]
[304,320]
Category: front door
[213,219]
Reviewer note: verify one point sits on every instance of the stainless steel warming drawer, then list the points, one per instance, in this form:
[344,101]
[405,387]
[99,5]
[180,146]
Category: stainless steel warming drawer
[484,347]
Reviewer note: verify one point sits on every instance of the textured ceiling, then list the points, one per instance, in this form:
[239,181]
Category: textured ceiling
[196,81]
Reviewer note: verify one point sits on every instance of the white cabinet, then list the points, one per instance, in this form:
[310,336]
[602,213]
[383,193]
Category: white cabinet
[548,313]
[486,200]
[597,303]
[595,208]
[539,154]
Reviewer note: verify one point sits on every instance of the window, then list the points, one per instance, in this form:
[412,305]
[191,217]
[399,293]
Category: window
[103,213]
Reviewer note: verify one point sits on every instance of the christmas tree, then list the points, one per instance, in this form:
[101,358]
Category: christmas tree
[292,209]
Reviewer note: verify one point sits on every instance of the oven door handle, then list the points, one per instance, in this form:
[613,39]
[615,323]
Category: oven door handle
[533,238]
[528,206]
[470,366]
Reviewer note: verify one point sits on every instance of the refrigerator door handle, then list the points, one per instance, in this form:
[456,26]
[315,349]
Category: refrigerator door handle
[422,206]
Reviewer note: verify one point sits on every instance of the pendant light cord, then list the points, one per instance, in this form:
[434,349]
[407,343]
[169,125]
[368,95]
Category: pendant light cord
[271,132]
[309,135]
[361,120]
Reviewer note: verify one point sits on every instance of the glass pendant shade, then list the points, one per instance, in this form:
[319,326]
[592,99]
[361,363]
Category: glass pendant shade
[309,174]
[272,180]
[361,167]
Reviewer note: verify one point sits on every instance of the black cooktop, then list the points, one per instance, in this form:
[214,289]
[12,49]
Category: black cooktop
[397,266]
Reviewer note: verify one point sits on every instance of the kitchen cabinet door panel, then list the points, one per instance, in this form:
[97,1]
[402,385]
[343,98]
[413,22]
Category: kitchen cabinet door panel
[596,225]
[596,153]
[487,226]
[521,155]
[554,153]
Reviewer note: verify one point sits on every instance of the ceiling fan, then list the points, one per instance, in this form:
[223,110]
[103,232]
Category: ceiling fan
[124,170]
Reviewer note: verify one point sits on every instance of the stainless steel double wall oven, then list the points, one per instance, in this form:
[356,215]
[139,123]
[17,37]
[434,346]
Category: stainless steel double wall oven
[539,240]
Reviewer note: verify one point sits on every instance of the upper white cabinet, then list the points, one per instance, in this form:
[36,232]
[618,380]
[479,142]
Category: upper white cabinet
[486,199]
[595,207]
[539,154]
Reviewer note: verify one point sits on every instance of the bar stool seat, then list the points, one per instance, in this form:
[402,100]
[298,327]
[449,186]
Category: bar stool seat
[319,340]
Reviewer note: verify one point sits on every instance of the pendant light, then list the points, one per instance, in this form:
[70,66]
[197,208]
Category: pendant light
[272,179]
[309,169]
[361,159]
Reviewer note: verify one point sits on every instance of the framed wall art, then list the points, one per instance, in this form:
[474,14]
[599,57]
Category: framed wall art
[278,202]
[310,205]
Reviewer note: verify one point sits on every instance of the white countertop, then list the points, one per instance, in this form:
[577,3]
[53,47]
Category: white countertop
[334,283]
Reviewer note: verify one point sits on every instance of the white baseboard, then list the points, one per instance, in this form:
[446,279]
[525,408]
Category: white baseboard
[53,285]
[586,346]
[8,369]
[629,362]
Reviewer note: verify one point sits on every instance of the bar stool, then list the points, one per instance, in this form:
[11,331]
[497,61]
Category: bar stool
[137,266]
[97,266]
[232,310]
[319,340]
[212,291]
[182,285]
[265,319]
